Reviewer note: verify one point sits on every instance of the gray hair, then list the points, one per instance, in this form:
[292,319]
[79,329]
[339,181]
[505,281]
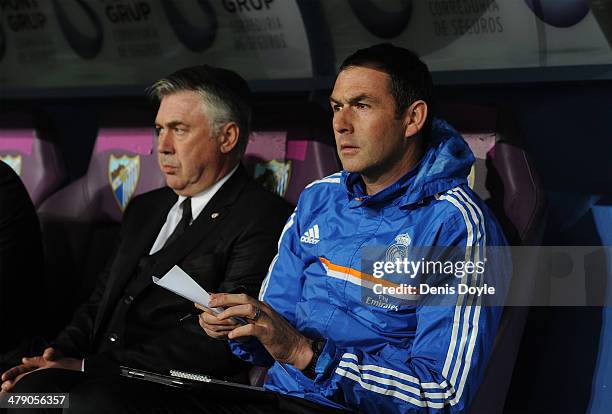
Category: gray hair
[225,96]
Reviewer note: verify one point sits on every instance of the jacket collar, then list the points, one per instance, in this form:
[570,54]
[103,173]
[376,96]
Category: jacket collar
[445,165]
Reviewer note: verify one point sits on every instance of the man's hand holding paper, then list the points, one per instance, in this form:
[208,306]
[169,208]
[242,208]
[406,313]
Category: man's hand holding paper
[179,282]
[213,326]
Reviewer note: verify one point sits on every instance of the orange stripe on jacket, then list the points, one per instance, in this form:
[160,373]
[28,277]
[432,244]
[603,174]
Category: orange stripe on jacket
[355,273]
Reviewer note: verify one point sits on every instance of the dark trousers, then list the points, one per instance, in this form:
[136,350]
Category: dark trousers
[89,394]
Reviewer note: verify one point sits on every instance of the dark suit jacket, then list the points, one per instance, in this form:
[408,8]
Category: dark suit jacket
[221,251]
[21,261]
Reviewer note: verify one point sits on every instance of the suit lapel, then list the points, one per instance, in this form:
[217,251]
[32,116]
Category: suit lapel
[149,226]
[204,226]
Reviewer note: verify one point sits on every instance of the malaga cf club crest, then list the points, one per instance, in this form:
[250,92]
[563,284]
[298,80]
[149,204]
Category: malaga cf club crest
[13,161]
[398,250]
[123,175]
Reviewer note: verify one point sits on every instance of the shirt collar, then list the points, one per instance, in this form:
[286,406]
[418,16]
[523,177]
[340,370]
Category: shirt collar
[200,200]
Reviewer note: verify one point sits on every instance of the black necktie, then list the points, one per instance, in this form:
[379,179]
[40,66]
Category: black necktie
[182,225]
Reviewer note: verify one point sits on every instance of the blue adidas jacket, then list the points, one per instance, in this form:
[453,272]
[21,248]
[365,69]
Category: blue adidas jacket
[381,358]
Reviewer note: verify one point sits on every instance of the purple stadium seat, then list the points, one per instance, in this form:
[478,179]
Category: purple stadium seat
[504,176]
[123,165]
[286,167]
[290,147]
[80,222]
[28,147]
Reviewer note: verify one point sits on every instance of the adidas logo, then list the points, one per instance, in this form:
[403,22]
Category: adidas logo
[311,236]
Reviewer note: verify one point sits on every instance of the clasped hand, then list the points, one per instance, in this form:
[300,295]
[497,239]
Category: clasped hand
[284,343]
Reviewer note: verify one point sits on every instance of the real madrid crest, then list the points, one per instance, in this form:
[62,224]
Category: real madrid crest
[123,176]
[398,250]
[13,161]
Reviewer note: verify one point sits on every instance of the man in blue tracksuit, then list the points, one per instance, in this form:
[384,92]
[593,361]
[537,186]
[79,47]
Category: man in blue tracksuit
[321,321]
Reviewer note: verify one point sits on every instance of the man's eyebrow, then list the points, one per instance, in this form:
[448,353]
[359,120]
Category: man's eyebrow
[362,97]
[172,124]
[355,99]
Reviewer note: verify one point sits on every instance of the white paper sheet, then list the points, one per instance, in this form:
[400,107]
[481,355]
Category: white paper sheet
[179,282]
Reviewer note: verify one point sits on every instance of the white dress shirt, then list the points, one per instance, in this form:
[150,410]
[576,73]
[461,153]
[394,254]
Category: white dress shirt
[198,202]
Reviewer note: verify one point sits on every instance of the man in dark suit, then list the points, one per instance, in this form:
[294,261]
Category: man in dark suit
[212,220]
[21,262]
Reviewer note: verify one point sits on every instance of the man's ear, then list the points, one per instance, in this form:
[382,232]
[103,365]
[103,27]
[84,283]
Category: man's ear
[228,137]
[414,118]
